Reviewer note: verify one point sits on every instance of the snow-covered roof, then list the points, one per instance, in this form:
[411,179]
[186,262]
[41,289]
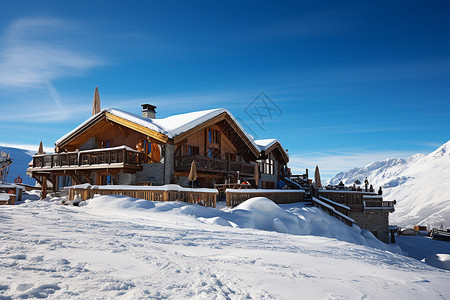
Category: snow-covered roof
[169,126]
[266,143]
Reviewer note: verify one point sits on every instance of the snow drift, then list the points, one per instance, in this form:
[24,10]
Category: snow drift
[256,213]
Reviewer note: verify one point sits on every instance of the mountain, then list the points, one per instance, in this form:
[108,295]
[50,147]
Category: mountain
[420,184]
[20,160]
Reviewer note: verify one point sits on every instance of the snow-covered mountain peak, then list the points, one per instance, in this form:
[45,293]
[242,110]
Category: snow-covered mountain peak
[419,184]
[443,150]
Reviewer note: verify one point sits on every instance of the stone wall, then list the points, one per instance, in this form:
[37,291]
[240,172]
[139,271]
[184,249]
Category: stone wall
[169,162]
[151,172]
[374,220]
[126,178]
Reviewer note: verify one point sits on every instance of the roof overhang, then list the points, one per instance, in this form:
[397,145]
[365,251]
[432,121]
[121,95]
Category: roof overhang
[106,116]
[279,150]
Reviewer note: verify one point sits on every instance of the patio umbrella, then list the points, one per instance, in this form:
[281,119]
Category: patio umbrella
[256,174]
[193,173]
[96,102]
[41,149]
[317,178]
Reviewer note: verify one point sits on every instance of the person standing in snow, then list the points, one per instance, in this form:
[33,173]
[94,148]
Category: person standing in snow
[366,183]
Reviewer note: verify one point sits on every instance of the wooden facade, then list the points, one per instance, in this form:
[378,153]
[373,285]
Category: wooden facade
[112,149]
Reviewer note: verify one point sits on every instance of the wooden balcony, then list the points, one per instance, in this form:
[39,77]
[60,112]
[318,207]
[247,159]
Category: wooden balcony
[110,158]
[213,165]
[358,201]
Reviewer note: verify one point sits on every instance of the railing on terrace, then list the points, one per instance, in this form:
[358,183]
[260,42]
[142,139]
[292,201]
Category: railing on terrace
[204,197]
[368,204]
[203,163]
[237,196]
[357,200]
[108,156]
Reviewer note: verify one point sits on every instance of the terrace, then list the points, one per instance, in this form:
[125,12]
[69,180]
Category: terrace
[118,157]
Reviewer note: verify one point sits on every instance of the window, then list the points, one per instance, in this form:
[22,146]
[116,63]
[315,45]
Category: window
[213,136]
[193,150]
[106,180]
[64,181]
[106,144]
[266,166]
[213,153]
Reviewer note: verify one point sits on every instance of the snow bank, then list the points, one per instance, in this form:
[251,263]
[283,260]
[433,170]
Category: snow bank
[256,213]
[167,187]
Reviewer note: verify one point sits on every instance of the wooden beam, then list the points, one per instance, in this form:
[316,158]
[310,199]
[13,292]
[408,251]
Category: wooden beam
[75,178]
[87,178]
[136,127]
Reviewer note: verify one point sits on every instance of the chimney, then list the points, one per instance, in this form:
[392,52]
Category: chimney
[148,111]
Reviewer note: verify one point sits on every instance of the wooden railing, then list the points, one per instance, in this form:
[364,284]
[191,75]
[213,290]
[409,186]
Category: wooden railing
[339,211]
[118,155]
[196,196]
[357,200]
[203,163]
[368,204]
[236,197]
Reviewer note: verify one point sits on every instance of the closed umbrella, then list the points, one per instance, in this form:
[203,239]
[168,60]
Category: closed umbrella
[256,174]
[193,173]
[41,149]
[96,102]
[317,178]
[155,153]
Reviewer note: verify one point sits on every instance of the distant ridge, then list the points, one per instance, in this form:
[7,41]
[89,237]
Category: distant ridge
[420,184]
[20,159]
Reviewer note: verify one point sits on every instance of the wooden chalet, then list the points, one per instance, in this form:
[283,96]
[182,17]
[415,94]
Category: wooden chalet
[272,163]
[117,147]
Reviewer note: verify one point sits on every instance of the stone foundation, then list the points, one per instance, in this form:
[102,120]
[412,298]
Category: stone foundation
[374,220]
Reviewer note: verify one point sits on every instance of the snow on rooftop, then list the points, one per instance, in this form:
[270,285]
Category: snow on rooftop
[169,126]
[265,144]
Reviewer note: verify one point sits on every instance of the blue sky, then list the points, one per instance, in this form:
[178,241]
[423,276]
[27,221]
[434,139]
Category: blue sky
[352,81]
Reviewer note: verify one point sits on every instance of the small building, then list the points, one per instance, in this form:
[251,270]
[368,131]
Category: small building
[272,163]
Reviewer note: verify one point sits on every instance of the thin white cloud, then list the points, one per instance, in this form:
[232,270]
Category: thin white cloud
[38,50]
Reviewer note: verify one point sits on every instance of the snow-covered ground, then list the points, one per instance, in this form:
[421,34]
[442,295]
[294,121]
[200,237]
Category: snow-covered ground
[113,247]
[419,184]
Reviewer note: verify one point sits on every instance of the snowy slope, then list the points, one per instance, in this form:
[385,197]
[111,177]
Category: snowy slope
[20,159]
[117,247]
[420,184]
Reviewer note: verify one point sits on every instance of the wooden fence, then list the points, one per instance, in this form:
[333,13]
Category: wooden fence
[236,197]
[185,195]
[334,209]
